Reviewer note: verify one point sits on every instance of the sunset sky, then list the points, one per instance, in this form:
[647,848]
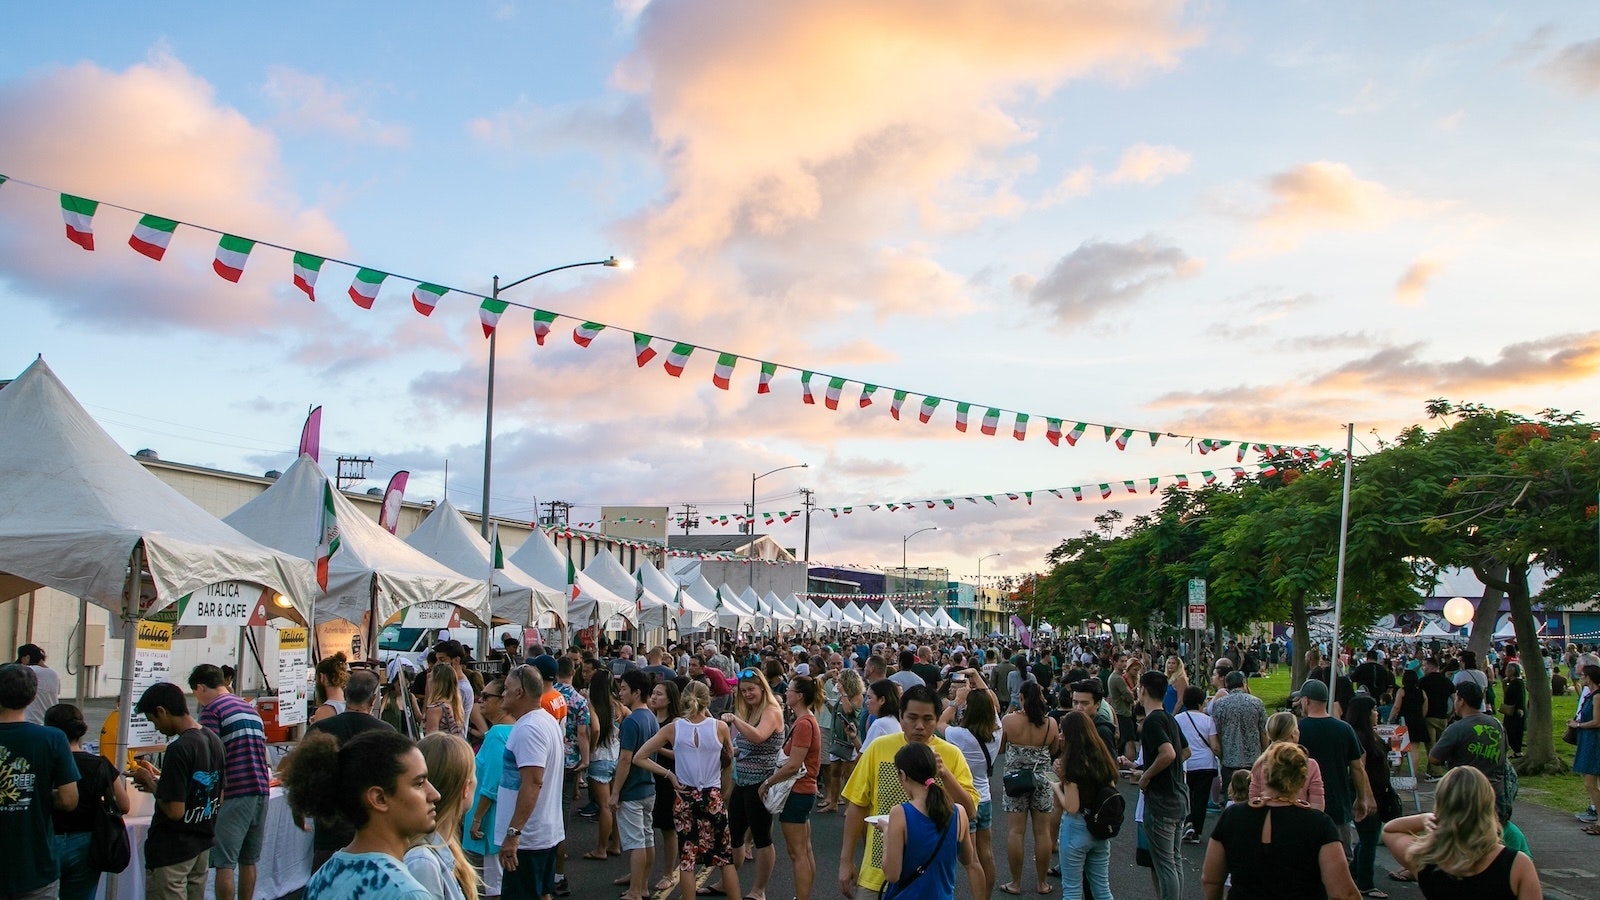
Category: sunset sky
[1238,221]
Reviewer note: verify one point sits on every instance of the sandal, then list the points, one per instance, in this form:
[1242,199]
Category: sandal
[1591,829]
[595,855]
[1375,894]
[1401,875]
[1012,888]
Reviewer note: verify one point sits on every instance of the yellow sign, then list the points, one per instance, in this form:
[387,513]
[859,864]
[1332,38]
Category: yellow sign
[291,639]
[155,635]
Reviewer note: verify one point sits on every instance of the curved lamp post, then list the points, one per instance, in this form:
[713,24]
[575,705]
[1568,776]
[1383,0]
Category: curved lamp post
[905,540]
[980,582]
[750,523]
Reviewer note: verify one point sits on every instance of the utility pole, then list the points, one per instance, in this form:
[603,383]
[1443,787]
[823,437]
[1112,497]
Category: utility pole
[691,517]
[352,470]
[555,511]
[809,503]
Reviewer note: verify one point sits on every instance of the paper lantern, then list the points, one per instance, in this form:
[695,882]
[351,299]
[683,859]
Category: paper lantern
[1458,611]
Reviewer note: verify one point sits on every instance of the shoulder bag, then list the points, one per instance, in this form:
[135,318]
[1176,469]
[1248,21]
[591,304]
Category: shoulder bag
[888,891]
[778,791]
[109,850]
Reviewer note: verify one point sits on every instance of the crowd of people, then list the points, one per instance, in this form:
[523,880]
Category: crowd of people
[455,780]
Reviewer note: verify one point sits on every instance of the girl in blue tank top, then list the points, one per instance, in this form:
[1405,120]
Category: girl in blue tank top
[924,837]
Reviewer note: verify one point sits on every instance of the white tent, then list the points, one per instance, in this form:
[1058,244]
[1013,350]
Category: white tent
[750,600]
[372,568]
[659,608]
[949,624]
[518,597]
[780,610]
[75,506]
[539,557]
[695,616]
[872,618]
[926,622]
[893,619]
[612,589]
[705,596]
[731,611]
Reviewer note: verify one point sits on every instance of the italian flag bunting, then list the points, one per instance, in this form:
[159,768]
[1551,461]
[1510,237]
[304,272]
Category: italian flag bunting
[830,398]
[764,386]
[1077,494]
[929,404]
[1153,483]
[489,313]
[328,540]
[232,252]
[805,388]
[1105,491]
[1130,487]
[364,289]
[642,351]
[306,269]
[990,498]
[1020,429]
[1052,431]
[677,358]
[867,390]
[572,579]
[1029,495]
[1122,439]
[991,422]
[497,554]
[1154,436]
[1056,493]
[424,297]
[542,321]
[1075,433]
[895,404]
[1110,430]
[152,235]
[1210,477]
[949,504]
[723,374]
[1269,470]
[585,333]
[78,214]
[1243,449]
[1183,480]
[961,415]
[1238,472]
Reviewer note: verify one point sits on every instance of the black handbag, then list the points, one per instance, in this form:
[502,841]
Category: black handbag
[109,850]
[1389,807]
[1020,783]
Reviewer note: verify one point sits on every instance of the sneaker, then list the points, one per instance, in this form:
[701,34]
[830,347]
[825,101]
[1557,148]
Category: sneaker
[561,888]
[1213,808]
[1190,836]
[1587,815]
[1430,778]
[589,811]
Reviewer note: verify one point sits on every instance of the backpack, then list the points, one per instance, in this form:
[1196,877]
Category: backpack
[1104,816]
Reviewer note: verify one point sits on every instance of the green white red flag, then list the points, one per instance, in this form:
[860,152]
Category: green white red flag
[677,358]
[991,422]
[1210,477]
[1122,439]
[306,269]
[867,390]
[364,288]
[925,412]
[585,333]
[961,415]
[232,252]
[1076,432]
[895,404]
[1105,491]
[1019,429]
[830,397]
[489,313]
[497,554]
[1077,493]
[722,375]
[1183,480]
[424,297]
[328,540]
[805,388]
[78,214]
[1130,487]
[1052,431]
[1153,483]
[542,321]
[152,235]
[764,386]
[642,351]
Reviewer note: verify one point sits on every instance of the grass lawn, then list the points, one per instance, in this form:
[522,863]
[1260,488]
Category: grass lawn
[1563,792]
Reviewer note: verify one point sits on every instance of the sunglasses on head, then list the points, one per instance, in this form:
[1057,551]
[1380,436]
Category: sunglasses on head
[747,673]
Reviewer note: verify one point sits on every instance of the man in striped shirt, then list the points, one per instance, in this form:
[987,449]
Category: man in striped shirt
[246,781]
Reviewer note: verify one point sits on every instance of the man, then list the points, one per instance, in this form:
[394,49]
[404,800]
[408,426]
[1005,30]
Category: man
[657,667]
[1123,696]
[1438,688]
[635,799]
[1373,675]
[874,789]
[49,691]
[360,692]
[482,845]
[1087,699]
[925,669]
[188,792]
[455,654]
[1241,720]
[1337,750]
[1470,673]
[1343,692]
[575,751]
[624,661]
[905,676]
[529,817]
[1166,793]
[715,658]
[1478,740]
[510,653]
[875,670]
[246,780]
[37,775]
[1000,676]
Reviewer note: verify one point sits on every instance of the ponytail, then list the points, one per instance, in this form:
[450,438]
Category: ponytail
[917,762]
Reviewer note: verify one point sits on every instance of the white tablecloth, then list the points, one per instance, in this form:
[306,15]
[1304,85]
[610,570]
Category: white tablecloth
[285,864]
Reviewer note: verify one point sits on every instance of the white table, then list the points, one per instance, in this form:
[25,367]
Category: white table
[284,868]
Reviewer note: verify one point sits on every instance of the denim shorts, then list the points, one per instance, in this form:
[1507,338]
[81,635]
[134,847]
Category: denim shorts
[797,809]
[985,817]
[602,770]
[239,828]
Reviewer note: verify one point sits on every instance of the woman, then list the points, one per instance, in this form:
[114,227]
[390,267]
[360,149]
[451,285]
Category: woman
[435,859]
[978,737]
[1200,769]
[883,705]
[665,705]
[1086,769]
[1027,739]
[99,784]
[803,749]
[1456,850]
[1514,708]
[1275,846]
[604,740]
[377,784]
[1284,728]
[1412,708]
[756,724]
[1177,684]
[443,713]
[844,738]
[925,836]
[332,673]
[700,747]
[482,847]
[1586,758]
[1362,715]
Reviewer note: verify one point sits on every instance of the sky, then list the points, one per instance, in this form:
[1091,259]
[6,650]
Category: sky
[1240,221]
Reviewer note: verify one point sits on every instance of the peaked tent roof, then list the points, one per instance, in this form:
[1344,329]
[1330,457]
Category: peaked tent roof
[606,584]
[593,604]
[73,505]
[519,597]
[695,616]
[288,516]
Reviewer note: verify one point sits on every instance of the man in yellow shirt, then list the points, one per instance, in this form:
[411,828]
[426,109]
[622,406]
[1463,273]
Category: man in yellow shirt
[874,788]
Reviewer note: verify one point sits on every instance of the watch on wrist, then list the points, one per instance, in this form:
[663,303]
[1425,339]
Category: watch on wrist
[512,830]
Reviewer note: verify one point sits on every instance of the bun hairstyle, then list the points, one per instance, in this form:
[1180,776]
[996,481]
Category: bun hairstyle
[1286,768]
[334,670]
[696,699]
[806,687]
[329,782]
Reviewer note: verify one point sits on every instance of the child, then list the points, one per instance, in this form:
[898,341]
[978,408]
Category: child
[929,827]
[1239,787]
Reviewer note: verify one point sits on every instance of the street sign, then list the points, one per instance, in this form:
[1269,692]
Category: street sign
[1197,604]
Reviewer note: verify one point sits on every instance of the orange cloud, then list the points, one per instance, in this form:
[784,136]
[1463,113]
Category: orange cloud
[1323,196]
[306,102]
[1412,288]
[1144,164]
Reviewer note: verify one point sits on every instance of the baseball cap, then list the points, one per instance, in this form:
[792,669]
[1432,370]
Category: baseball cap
[1311,690]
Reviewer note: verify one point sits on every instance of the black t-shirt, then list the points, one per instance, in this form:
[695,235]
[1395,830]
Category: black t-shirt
[929,674]
[1287,868]
[1334,745]
[344,726]
[191,772]
[1438,687]
[1167,793]
[1346,690]
[1374,677]
[95,777]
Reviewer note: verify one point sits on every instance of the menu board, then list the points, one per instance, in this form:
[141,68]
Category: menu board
[152,664]
[293,691]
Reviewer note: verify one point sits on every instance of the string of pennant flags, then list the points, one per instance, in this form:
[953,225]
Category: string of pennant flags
[153,234]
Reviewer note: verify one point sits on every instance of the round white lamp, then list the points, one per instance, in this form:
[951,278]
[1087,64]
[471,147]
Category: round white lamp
[1458,611]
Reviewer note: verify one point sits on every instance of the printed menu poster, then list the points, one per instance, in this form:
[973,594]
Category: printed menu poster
[293,692]
[152,664]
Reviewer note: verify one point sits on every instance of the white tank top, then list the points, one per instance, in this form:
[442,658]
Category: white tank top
[697,754]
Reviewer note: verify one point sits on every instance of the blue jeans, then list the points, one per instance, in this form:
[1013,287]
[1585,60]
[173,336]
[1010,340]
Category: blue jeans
[1083,855]
[1166,853]
[78,881]
[1369,835]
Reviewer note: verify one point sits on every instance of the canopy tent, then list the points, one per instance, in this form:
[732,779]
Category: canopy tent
[592,604]
[850,615]
[872,618]
[654,601]
[926,622]
[694,616]
[705,596]
[781,611]
[75,506]
[372,569]
[817,613]
[893,619]
[731,611]
[519,598]
[608,583]
[948,624]
[750,600]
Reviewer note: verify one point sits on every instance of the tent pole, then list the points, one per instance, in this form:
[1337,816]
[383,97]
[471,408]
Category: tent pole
[130,645]
[83,651]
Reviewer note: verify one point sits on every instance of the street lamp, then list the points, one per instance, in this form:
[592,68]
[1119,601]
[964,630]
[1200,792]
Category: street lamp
[750,523]
[980,581]
[488,415]
[903,542]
